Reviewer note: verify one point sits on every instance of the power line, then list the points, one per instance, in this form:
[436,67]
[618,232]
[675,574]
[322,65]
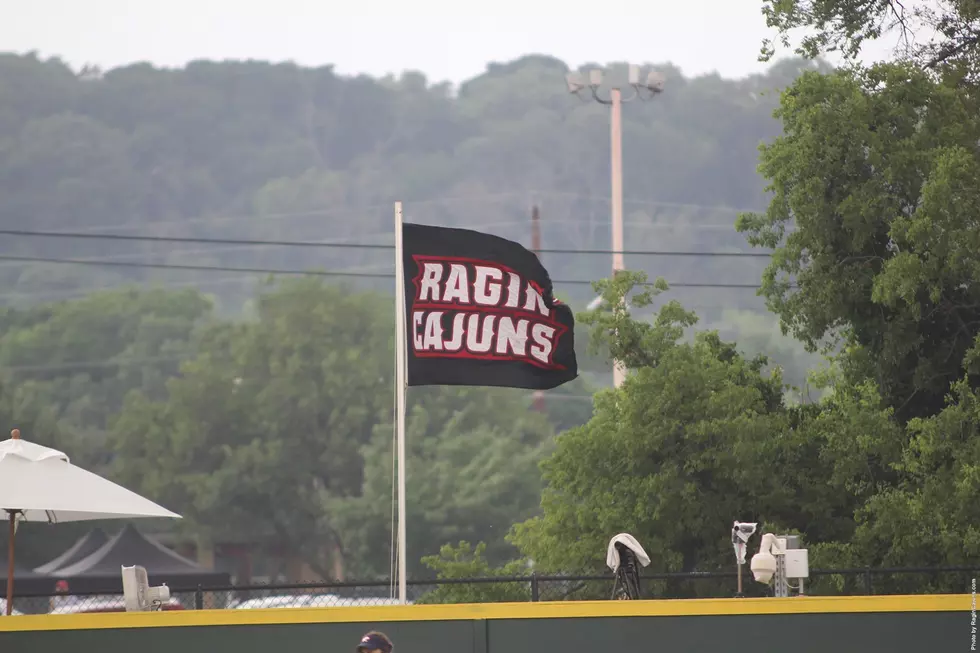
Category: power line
[143,362]
[320,244]
[315,273]
[227,249]
[149,360]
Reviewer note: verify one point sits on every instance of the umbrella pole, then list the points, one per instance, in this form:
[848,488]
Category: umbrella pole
[10,560]
[14,435]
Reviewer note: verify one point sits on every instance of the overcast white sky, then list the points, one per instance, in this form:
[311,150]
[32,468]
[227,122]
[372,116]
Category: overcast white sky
[445,40]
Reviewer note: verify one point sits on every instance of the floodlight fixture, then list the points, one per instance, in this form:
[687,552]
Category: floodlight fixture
[575,81]
[634,74]
[653,85]
[655,82]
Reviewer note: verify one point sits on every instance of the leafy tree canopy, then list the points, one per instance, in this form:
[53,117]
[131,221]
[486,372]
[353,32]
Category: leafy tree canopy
[873,225]
[935,34]
[278,432]
[266,417]
[697,437]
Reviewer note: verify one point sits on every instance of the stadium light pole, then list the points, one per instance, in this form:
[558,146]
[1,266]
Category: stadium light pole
[648,89]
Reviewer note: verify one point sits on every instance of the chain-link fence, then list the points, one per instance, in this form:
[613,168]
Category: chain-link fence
[535,587]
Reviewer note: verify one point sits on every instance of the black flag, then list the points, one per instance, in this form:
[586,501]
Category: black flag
[480,311]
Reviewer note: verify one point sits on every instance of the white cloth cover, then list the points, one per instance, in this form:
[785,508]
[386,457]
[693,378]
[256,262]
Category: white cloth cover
[740,539]
[612,555]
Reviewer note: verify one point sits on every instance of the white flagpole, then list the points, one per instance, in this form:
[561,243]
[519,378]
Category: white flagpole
[401,382]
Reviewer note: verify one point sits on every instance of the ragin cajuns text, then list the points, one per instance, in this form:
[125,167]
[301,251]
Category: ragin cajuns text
[467,308]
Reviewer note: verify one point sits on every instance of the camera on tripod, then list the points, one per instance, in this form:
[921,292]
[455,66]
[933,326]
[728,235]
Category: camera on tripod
[624,556]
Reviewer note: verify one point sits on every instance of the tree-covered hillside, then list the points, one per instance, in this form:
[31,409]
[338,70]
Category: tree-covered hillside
[259,151]
[222,398]
[183,398]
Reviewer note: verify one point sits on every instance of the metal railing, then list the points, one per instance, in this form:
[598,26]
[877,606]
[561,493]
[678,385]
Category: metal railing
[534,587]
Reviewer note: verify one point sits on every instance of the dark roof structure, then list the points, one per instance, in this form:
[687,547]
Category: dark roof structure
[25,581]
[85,546]
[100,571]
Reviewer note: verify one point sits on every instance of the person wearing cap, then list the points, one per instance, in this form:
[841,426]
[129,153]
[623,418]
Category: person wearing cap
[375,642]
[61,597]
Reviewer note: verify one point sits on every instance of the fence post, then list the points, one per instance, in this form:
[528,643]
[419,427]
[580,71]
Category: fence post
[868,588]
[198,598]
[534,587]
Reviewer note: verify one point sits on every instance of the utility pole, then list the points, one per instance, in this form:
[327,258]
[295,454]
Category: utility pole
[538,397]
[616,205]
[653,85]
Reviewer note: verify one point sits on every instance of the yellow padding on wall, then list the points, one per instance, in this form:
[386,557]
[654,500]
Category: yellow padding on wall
[458,612]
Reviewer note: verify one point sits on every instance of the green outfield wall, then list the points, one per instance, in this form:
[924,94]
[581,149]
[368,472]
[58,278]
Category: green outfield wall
[896,624]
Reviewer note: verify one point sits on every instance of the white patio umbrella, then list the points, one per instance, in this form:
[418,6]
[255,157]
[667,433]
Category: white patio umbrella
[38,484]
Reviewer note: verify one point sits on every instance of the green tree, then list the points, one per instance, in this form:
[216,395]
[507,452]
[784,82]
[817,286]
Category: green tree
[464,561]
[698,436]
[927,517]
[278,432]
[932,34]
[264,427]
[670,457]
[876,173]
[760,334]
[80,358]
[873,225]
[835,456]
[472,471]
[875,169]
